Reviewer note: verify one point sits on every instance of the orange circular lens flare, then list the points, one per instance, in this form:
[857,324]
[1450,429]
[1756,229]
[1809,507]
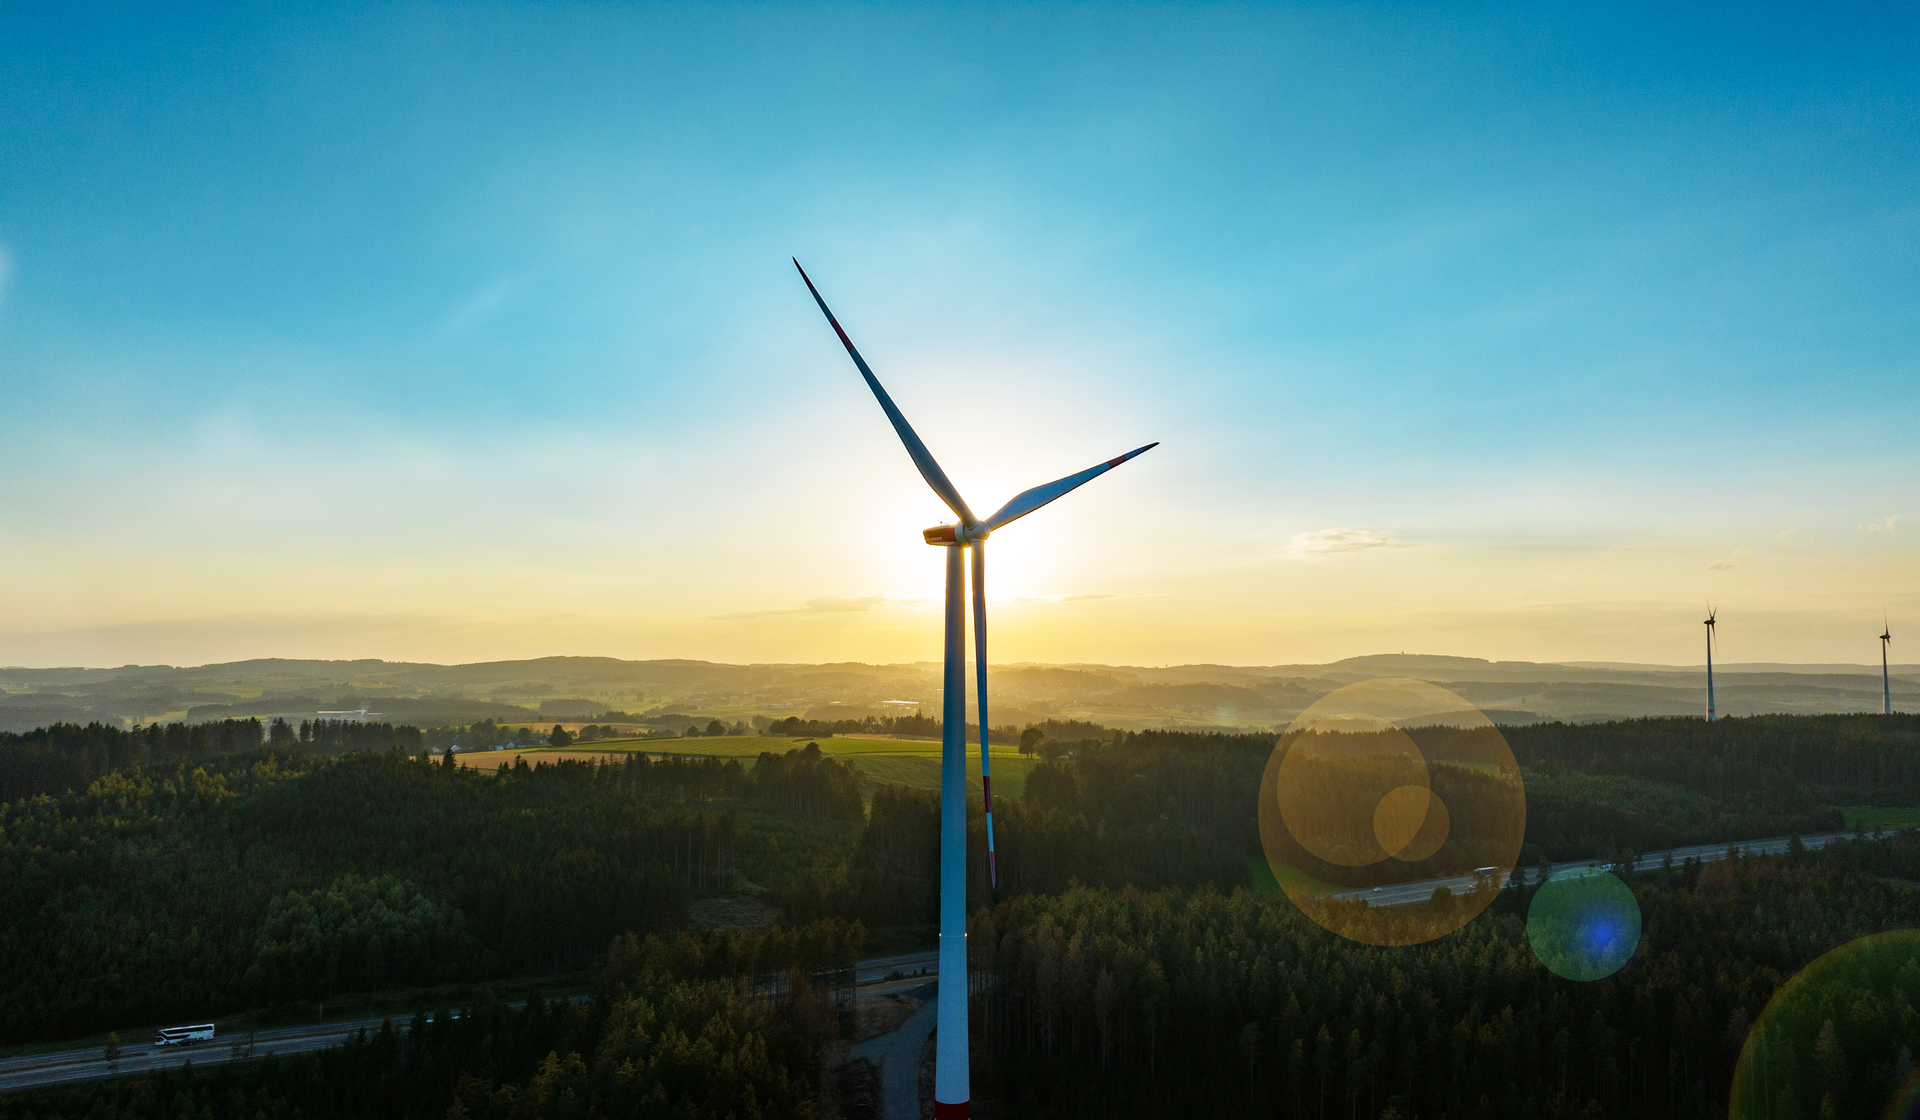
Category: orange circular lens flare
[1410,823]
[1392,811]
[1332,781]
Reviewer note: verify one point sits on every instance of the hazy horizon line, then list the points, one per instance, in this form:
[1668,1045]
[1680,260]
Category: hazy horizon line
[1613,665]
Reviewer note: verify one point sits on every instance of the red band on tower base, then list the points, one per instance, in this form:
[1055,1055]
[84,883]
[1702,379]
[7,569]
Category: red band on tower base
[952,1111]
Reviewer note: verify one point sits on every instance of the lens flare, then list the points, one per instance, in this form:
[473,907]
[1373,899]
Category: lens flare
[1906,1099]
[1837,1037]
[1378,794]
[1583,924]
[1410,823]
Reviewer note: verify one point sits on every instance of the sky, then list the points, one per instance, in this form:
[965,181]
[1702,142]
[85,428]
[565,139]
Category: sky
[468,332]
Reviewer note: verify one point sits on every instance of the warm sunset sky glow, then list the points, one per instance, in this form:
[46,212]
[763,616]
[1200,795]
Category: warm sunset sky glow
[460,332]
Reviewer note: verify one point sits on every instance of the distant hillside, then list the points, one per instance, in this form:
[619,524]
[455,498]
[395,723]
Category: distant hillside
[1201,696]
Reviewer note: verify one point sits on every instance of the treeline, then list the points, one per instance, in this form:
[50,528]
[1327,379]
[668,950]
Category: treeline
[1576,816]
[695,1027]
[337,736]
[1126,1003]
[1591,789]
[1773,763]
[807,781]
[68,756]
[917,726]
[1152,809]
[1157,810]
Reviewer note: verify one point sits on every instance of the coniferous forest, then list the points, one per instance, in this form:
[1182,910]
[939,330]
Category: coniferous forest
[1128,965]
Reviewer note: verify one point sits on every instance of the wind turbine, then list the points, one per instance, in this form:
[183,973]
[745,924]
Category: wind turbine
[1886,682]
[1710,616]
[952,1091]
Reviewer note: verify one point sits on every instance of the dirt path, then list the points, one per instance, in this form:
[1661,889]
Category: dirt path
[897,1053]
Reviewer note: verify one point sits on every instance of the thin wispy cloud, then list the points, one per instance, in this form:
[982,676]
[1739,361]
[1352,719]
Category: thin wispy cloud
[1730,563]
[1884,525]
[884,600]
[478,307]
[824,604]
[1326,542]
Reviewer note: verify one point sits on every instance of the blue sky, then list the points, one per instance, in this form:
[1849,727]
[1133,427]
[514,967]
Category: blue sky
[464,332]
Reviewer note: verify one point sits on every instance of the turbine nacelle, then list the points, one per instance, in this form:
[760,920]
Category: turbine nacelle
[955,534]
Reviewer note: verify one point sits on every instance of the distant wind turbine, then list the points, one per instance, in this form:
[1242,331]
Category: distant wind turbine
[1886,682]
[1710,617]
[952,1089]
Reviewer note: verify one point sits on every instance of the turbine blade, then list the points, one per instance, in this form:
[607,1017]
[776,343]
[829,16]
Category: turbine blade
[922,458]
[980,669]
[1027,501]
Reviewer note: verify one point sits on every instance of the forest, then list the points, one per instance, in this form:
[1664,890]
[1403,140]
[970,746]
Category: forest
[1125,964]
[254,881]
[1133,1003]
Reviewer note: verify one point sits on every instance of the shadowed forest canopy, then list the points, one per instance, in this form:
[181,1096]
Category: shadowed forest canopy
[176,892]
[192,879]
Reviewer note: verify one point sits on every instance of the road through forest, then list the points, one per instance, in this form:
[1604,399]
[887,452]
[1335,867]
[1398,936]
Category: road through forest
[64,1066]
[83,1065]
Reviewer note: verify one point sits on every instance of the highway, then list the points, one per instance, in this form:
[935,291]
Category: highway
[1399,894]
[58,1068]
[84,1065]
[878,969]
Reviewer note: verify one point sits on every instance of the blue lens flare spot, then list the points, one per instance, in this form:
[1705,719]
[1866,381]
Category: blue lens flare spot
[1584,924]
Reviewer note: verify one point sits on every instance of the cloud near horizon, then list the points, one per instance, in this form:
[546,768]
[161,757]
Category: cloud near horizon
[861,604]
[1325,542]
[1731,562]
[824,604]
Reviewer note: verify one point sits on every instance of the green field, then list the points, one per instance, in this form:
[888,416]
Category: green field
[1873,816]
[904,762]
[1261,873]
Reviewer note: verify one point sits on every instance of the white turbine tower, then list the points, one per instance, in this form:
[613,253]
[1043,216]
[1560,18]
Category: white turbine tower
[1711,614]
[1886,681]
[952,1091]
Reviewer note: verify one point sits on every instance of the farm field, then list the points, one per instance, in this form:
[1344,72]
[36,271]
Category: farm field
[1875,816]
[906,762]
[1265,881]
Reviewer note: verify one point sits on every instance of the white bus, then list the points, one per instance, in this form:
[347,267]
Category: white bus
[185,1036]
